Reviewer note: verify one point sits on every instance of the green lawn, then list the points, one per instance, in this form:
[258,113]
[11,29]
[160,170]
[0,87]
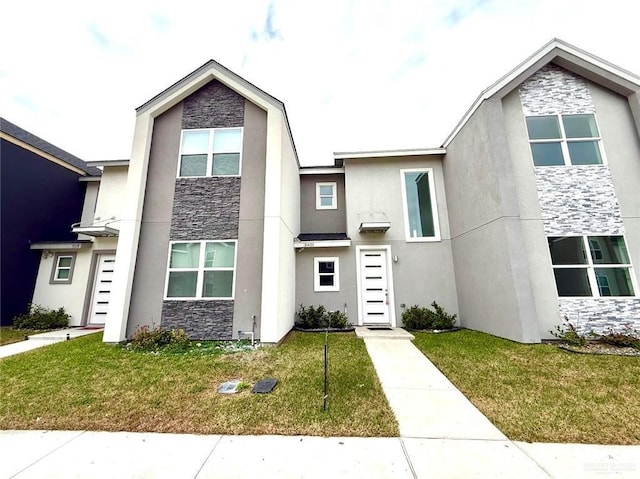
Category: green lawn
[9,335]
[85,384]
[540,393]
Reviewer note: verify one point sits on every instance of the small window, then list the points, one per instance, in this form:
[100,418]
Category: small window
[326,274]
[63,264]
[558,140]
[211,152]
[201,270]
[593,266]
[419,202]
[326,196]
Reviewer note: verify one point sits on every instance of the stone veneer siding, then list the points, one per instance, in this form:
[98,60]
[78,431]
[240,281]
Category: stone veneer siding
[213,106]
[577,200]
[204,320]
[206,208]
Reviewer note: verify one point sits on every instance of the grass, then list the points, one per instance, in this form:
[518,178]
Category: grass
[85,384]
[538,393]
[9,335]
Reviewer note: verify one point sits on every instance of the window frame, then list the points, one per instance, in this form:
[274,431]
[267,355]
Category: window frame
[334,195]
[210,153]
[200,270]
[53,279]
[591,267]
[564,141]
[434,206]
[317,287]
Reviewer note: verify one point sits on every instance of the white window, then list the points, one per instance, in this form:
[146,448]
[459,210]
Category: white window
[592,266]
[201,270]
[419,203]
[210,152]
[564,140]
[326,274]
[326,196]
[63,264]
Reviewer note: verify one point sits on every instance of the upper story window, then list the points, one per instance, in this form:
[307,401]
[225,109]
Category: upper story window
[210,152]
[594,266]
[564,140]
[419,202]
[326,196]
[201,270]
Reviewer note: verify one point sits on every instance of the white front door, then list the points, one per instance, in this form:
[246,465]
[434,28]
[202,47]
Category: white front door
[374,294]
[102,288]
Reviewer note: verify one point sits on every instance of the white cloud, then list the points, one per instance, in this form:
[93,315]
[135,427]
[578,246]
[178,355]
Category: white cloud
[354,75]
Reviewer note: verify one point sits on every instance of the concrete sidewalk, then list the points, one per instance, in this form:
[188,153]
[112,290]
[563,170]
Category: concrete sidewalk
[121,455]
[44,339]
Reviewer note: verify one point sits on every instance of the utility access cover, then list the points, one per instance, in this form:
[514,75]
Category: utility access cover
[264,386]
[230,387]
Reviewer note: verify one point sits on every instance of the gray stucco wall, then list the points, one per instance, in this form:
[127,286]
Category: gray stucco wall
[321,221]
[487,234]
[424,270]
[153,247]
[247,304]
[344,300]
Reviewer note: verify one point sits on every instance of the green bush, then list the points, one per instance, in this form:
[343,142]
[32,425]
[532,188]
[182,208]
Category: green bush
[417,317]
[156,339]
[39,317]
[317,318]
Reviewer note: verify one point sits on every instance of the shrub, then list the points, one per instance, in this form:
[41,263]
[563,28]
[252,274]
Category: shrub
[155,339]
[569,334]
[316,318]
[39,317]
[417,317]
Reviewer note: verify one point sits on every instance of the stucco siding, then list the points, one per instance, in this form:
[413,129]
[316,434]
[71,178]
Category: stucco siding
[492,267]
[247,313]
[153,247]
[313,220]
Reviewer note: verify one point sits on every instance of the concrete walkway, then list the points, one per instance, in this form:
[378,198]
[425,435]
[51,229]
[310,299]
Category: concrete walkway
[442,435]
[44,339]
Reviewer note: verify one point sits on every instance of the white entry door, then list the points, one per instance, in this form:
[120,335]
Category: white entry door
[375,301]
[102,288]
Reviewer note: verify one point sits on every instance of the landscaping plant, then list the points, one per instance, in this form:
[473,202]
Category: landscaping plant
[39,317]
[318,318]
[417,317]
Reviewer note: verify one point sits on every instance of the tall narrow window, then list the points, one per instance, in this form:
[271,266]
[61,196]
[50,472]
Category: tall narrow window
[595,266]
[564,140]
[326,196]
[326,274]
[211,152]
[420,209]
[201,270]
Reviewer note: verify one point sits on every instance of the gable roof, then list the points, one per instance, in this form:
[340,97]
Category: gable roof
[203,75]
[570,58]
[14,131]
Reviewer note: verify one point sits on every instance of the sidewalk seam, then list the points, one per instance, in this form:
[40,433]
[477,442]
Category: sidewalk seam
[47,454]
[206,459]
[406,455]
[548,473]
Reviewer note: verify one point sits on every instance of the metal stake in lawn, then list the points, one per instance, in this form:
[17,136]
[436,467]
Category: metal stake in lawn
[326,367]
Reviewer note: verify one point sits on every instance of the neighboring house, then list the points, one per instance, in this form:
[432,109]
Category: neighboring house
[41,194]
[78,273]
[527,213]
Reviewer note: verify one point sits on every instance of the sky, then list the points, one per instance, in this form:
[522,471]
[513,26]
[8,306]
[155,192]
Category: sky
[355,75]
